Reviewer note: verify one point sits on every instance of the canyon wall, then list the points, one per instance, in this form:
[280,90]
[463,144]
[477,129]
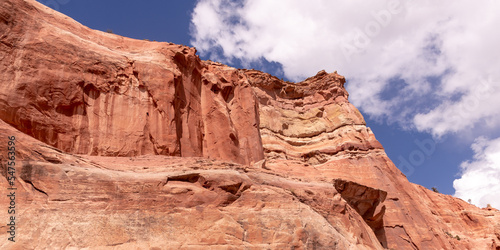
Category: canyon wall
[122,143]
[95,93]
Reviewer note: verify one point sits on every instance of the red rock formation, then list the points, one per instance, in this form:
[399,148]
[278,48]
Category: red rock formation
[90,92]
[126,144]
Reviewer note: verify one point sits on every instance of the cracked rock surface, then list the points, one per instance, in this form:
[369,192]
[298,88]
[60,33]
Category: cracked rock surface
[128,144]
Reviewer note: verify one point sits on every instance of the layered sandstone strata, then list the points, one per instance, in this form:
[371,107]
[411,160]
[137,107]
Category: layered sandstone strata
[127,144]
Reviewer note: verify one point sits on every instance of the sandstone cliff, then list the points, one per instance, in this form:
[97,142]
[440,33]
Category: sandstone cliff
[122,143]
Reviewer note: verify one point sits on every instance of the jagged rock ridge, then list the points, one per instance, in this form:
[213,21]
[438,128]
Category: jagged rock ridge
[133,144]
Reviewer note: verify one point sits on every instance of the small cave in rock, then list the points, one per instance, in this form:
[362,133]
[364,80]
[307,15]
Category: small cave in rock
[91,91]
[367,202]
[215,89]
[227,93]
[234,139]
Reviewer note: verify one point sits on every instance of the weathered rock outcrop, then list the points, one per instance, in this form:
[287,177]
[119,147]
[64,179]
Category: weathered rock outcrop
[79,201]
[122,143]
[90,92]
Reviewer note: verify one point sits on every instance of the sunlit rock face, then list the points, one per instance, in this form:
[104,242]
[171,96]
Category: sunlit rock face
[128,144]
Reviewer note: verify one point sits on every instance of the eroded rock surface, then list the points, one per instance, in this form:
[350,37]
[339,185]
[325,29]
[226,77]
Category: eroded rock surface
[91,92]
[127,144]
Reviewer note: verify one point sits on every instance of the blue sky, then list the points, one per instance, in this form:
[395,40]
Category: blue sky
[427,72]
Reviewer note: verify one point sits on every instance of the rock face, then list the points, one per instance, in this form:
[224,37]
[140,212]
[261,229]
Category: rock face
[132,144]
[89,92]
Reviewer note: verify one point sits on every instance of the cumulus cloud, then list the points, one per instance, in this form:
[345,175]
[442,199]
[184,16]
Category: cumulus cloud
[417,63]
[479,180]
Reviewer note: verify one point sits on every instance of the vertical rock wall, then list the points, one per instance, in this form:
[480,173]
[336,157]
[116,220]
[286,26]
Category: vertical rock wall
[89,92]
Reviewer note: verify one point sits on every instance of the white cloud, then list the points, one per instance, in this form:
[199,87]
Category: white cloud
[372,43]
[479,180]
[479,103]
